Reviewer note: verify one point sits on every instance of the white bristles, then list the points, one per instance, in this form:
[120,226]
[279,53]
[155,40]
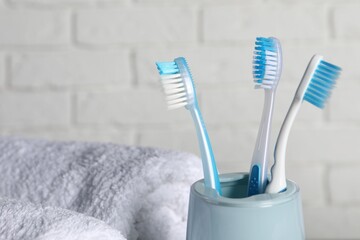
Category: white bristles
[178,100]
[171,76]
[175,91]
[175,96]
[179,105]
[172,80]
[172,86]
[177,83]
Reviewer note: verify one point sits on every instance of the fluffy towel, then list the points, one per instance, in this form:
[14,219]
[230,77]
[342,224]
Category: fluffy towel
[62,189]
[24,220]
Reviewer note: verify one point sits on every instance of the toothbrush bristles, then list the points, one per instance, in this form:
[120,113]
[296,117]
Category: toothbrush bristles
[173,84]
[321,84]
[265,63]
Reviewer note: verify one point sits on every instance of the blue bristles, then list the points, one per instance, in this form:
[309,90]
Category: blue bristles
[166,68]
[321,84]
[264,57]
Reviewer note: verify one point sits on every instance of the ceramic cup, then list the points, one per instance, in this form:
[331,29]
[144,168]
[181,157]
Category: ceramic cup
[233,216]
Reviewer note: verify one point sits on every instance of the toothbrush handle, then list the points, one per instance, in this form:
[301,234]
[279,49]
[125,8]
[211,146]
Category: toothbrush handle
[211,177]
[259,164]
[278,180]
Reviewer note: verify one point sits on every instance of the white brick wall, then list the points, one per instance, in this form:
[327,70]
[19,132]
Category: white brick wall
[34,27]
[126,107]
[63,2]
[332,222]
[311,179]
[2,71]
[84,70]
[122,25]
[341,176]
[22,109]
[234,23]
[68,69]
[344,25]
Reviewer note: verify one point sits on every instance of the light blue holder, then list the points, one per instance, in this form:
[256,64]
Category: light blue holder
[233,216]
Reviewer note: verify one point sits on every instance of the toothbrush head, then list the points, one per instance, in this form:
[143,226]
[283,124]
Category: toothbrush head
[267,62]
[177,82]
[318,81]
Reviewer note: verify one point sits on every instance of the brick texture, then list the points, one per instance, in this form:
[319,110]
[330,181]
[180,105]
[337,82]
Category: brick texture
[321,144]
[122,26]
[127,107]
[2,71]
[70,69]
[172,138]
[34,27]
[34,109]
[341,176]
[344,24]
[311,180]
[64,2]
[332,222]
[233,23]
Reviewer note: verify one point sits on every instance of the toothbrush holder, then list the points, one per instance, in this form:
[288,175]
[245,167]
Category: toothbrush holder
[233,216]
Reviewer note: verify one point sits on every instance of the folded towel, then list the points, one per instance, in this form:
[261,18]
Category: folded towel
[141,192]
[24,220]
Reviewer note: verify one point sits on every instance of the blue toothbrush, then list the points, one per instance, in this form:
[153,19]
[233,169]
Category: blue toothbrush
[267,71]
[315,88]
[180,92]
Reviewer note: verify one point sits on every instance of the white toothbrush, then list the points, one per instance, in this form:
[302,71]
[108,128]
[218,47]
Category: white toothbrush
[267,71]
[315,88]
[180,91]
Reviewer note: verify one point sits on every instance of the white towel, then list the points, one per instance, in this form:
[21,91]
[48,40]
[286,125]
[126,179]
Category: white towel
[140,192]
[24,220]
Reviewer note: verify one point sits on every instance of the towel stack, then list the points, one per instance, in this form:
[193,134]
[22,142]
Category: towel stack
[73,190]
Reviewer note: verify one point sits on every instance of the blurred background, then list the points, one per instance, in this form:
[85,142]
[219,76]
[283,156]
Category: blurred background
[84,70]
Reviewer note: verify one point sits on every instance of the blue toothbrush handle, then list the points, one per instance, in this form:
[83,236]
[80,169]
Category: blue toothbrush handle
[211,176]
[259,165]
[254,181]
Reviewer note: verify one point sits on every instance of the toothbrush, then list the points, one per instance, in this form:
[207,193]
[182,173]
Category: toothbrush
[267,71]
[180,91]
[315,87]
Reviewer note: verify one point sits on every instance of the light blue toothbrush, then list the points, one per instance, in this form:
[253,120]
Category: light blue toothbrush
[315,87]
[267,71]
[180,91]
